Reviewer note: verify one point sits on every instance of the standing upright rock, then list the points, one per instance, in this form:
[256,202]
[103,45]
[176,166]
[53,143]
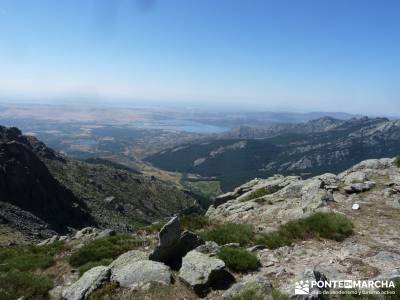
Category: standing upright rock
[168,241]
[174,244]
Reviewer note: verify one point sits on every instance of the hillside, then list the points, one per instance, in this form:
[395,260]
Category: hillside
[324,145]
[43,192]
[254,243]
[30,198]
[120,199]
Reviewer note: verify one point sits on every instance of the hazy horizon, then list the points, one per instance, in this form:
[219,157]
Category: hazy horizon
[195,108]
[283,56]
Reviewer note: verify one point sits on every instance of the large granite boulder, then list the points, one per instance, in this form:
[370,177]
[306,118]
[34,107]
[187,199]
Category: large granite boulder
[202,273]
[89,282]
[128,258]
[138,273]
[355,177]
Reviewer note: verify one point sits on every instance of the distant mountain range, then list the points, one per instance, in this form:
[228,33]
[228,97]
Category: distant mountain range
[263,118]
[322,145]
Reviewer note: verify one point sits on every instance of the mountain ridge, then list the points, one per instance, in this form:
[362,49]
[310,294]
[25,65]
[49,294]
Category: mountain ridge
[308,148]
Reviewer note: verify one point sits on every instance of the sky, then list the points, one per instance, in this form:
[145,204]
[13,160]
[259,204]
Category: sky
[298,55]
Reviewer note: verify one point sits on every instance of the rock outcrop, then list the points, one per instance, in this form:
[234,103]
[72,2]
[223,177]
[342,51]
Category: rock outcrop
[89,282]
[174,244]
[371,252]
[203,272]
[138,273]
[129,257]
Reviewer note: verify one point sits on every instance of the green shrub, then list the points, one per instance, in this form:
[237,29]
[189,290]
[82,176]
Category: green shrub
[229,233]
[255,294]
[396,290]
[17,267]
[152,228]
[324,225]
[138,224]
[397,161]
[91,264]
[15,284]
[278,295]
[108,291]
[99,251]
[249,294]
[273,240]
[27,258]
[194,222]
[146,226]
[238,259]
[260,193]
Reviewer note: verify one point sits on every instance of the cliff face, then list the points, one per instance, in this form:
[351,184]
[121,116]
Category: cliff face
[26,183]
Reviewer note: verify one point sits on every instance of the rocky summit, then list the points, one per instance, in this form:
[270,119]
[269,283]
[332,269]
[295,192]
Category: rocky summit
[255,242]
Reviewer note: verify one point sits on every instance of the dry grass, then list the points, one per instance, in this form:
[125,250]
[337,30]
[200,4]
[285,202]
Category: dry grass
[155,291]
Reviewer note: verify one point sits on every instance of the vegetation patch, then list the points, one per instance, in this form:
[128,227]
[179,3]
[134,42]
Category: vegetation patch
[108,291]
[19,268]
[207,188]
[260,193]
[111,164]
[194,222]
[249,294]
[158,291]
[238,259]
[148,227]
[102,250]
[28,258]
[255,294]
[397,161]
[229,233]
[91,264]
[152,228]
[15,284]
[320,225]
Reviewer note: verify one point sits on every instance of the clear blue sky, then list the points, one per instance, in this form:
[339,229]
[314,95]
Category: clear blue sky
[300,55]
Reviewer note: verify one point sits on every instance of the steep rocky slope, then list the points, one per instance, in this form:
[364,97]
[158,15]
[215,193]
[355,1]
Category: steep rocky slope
[324,145]
[120,199]
[30,198]
[42,192]
[365,197]
[373,250]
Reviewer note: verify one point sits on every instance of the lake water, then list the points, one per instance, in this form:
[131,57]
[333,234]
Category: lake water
[183,125]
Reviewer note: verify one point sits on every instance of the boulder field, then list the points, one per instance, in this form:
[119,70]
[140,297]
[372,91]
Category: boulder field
[189,264]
